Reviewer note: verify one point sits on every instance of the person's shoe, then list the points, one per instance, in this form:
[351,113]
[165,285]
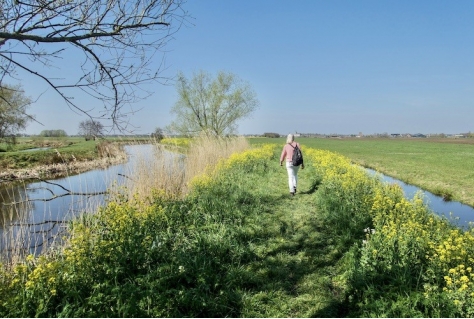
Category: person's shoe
[294,189]
[292,194]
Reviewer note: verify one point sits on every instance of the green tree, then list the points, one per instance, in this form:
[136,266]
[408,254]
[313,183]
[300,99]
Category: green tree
[53,133]
[13,106]
[210,104]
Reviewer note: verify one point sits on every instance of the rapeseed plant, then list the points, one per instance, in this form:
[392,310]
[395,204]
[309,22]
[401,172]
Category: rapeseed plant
[181,250]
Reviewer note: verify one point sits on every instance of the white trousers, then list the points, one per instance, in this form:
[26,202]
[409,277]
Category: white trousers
[292,175]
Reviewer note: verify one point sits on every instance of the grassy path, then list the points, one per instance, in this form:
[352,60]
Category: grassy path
[441,166]
[295,259]
[239,246]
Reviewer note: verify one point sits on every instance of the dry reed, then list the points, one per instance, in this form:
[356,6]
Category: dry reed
[159,171]
[27,223]
[169,173]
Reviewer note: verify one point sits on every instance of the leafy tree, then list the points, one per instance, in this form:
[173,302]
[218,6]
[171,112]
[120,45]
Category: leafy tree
[110,46]
[91,129]
[211,104]
[53,133]
[13,106]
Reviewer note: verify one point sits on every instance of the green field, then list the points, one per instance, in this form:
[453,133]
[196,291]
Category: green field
[441,166]
[55,150]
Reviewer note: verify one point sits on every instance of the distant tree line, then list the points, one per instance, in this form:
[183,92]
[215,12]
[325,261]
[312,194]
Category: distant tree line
[53,133]
[272,135]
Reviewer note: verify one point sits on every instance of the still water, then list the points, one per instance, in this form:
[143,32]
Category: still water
[35,219]
[40,210]
[460,214]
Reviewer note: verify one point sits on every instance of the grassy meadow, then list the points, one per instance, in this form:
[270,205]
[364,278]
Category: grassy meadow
[60,150]
[442,166]
[225,239]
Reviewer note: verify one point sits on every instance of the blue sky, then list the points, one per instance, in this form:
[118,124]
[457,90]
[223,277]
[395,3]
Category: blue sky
[338,66]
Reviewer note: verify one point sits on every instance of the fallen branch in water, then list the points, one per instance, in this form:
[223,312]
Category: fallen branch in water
[68,192]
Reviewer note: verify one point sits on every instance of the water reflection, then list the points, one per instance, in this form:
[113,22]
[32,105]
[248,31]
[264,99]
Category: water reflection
[34,214]
[460,214]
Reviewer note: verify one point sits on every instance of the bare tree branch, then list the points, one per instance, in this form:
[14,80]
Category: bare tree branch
[111,43]
[68,192]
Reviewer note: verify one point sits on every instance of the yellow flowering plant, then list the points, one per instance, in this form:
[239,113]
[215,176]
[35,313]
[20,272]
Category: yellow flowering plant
[403,243]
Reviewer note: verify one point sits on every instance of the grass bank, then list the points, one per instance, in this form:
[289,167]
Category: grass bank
[52,157]
[441,166]
[237,245]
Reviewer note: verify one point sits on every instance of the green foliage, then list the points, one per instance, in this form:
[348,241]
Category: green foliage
[13,106]
[226,250]
[239,246]
[53,133]
[53,150]
[211,104]
[405,261]
[439,165]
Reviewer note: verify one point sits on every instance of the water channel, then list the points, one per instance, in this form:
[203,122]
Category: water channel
[458,213]
[36,218]
[37,221]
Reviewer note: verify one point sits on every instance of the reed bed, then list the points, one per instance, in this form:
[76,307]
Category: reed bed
[170,172]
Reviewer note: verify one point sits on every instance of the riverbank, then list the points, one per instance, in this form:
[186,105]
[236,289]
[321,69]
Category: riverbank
[238,245]
[60,169]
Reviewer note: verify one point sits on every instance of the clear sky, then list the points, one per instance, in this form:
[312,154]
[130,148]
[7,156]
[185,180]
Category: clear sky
[338,66]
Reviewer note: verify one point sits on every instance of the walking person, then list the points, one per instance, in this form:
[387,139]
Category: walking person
[287,154]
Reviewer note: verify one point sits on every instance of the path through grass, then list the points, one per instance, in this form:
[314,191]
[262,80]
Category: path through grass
[237,246]
[295,259]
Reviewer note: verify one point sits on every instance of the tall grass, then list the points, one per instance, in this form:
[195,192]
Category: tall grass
[234,244]
[166,257]
[28,229]
[169,173]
